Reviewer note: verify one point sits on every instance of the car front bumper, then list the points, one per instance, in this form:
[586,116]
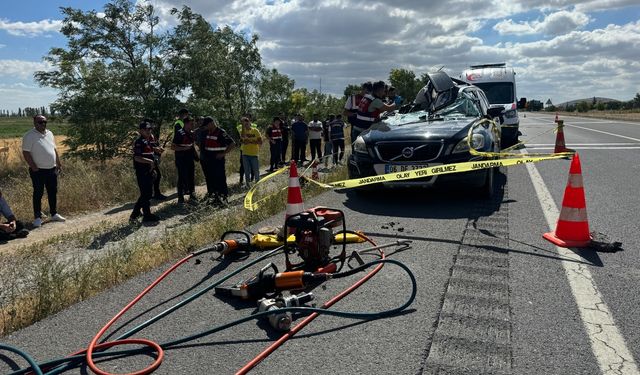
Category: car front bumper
[361,166]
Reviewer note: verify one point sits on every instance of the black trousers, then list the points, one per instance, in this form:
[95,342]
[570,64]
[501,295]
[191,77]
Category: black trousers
[299,151]
[285,146]
[338,144]
[10,236]
[215,176]
[44,178]
[316,148]
[145,185]
[276,152]
[156,181]
[186,172]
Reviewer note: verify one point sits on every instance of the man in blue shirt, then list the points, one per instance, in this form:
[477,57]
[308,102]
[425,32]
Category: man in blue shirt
[12,228]
[300,132]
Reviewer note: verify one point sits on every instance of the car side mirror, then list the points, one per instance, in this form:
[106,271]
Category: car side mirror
[522,103]
[496,112]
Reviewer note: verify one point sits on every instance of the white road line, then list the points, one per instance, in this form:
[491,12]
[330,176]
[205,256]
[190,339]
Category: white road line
[603,132]
[607,343]
[586,120]
[599,131]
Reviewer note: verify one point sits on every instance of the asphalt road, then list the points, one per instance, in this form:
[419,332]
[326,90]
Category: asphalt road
[493,296]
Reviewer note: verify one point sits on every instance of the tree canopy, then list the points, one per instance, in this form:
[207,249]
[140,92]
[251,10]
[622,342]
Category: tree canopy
[119,67]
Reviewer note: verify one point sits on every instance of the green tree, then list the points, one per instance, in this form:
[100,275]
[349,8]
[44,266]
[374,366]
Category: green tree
[613,105]
[219,65]
[274,94]
[352,89]
[636,101]
[582,106]
[114,71]
[299,100]
[405,83]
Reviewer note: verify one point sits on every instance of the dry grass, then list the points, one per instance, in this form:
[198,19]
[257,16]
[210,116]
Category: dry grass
[88,186]
[38,282]
[629,115]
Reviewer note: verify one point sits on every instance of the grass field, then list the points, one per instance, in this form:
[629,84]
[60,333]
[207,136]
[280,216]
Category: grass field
[629,115]
[15,127]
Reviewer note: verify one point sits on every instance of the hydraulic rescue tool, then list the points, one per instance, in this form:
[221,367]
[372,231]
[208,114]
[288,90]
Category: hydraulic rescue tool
[314,236]
[265,284]
[229,245]
[282,320]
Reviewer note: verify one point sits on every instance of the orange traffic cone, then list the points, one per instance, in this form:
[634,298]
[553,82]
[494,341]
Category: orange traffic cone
[556,120]
[294,194]
[560,145]
[314,170]
[572,229]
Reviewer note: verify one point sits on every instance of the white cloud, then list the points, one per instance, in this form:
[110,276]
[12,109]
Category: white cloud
[30,29]
[557,23]
[25,95]
[21,69]
[350,41]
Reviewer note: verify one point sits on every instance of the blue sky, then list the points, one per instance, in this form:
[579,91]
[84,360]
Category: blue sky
[560,49]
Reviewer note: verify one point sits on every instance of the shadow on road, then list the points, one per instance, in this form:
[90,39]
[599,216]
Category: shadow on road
[449,202]
[218,268]
[129,206]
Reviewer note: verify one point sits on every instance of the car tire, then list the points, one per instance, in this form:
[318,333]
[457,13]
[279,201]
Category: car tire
[489,184]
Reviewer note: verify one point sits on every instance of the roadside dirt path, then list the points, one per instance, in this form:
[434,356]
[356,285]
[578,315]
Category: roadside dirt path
[111,217]
[106,218]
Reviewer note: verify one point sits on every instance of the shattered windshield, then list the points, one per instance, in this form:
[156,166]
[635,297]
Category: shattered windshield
[464,106]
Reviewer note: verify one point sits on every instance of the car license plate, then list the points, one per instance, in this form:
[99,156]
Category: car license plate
[395,168]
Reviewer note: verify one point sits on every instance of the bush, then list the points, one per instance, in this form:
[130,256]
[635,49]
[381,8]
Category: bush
[583,107]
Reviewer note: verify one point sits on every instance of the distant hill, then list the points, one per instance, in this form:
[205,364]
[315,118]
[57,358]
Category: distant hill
[588,100]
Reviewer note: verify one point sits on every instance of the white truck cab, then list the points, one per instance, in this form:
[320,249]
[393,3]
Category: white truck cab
[499,84]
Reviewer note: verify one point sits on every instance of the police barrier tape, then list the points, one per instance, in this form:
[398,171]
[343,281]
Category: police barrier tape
[248,199]
[410,175]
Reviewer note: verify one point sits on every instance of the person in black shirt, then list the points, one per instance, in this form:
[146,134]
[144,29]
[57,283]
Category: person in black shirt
[328,145]
[157,154]
[185,155]
[144,166]
[336,128]
[286,129]
[214,144]
[274,134]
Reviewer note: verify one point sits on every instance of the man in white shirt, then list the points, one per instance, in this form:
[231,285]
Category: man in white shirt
[40,153]
[315,137]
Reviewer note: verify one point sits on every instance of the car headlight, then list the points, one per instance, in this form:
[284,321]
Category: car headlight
[477,142]
[511,114]
[360,146]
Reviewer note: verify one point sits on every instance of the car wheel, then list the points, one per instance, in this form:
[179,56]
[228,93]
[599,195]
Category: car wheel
[489,184]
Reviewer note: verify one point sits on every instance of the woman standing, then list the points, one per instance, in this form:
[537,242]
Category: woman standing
[274,133]
[250,140]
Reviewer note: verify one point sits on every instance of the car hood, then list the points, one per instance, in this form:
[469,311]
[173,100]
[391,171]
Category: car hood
[410,126]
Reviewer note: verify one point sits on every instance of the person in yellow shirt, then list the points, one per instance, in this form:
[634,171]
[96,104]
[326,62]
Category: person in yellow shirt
[250,140]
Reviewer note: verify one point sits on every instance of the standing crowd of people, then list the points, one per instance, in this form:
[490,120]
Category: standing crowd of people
[208,145]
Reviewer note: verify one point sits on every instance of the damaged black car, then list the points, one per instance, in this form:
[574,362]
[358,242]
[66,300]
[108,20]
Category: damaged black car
[431,131]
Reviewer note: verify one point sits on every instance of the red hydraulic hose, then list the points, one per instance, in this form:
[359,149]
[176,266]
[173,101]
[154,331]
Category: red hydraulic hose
[271,348]
[93,346]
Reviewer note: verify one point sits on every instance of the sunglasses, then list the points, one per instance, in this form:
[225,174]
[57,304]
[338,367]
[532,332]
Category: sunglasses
[41,123]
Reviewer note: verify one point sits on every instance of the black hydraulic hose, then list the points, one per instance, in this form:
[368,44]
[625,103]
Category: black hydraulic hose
[72,362]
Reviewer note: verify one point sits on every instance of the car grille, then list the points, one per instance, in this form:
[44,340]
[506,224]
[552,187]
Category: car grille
[422,151]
